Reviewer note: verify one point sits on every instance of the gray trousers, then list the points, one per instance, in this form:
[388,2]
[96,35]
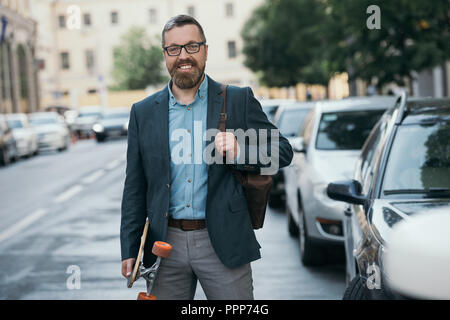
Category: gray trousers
[193,258]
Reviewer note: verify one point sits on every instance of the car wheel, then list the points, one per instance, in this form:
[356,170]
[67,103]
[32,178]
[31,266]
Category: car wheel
[292,226]
[4,160]
[311,254]
[275,201]
[355,290]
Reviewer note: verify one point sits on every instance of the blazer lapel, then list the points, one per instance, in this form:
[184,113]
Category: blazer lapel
[162,119]
[214,107]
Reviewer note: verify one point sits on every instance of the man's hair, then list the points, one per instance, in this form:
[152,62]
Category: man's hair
[179,21]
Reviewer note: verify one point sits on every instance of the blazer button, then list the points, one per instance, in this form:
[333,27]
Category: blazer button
[168,185]
[166,215]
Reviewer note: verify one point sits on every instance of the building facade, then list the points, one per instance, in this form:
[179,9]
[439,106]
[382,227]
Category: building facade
[77,39]
[18,70]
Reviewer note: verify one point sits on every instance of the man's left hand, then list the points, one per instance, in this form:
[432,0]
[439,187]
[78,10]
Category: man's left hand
[227,145]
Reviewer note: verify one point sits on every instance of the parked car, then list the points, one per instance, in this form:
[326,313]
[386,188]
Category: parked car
[24,134]
[112,123]
[404,168]
[270,106]
[417,255]
[288,119]
[52,130]
[8,148]
[87,116]
[326,150]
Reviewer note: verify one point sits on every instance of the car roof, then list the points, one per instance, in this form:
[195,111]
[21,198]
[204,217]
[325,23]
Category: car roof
[419,110]
[21,116]
[116,110]
[356,103]
[44,114]
[276,102]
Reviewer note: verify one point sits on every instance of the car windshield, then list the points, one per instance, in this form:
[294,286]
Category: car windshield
[115,115]
[14,124]
[290,121]
[40,121]
[270,112]
[346,130]
[419,160]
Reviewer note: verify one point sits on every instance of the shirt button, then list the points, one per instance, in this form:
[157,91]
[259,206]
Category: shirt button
[188,205]
[189,130]
[189,180]
[189,108]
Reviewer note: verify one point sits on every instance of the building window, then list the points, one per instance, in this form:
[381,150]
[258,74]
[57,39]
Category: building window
[153,16]
[87,19]
[191,11]
[62,21]
[90,63]
[114,17]
[65,65]
[229,10]
[232,49]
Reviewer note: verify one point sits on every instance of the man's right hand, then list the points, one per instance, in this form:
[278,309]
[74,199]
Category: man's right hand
[127,267]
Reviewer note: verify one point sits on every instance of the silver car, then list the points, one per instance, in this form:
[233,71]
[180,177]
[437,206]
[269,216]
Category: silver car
[326,150]
[52,130]
[25,135]
[87,117]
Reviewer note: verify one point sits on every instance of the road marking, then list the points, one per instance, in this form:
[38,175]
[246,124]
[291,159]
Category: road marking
[22,224]
[66,195]
[94,177]
[113,164]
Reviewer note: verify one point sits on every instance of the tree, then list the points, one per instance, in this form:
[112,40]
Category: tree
[284,43]
[137,63]
[414,35]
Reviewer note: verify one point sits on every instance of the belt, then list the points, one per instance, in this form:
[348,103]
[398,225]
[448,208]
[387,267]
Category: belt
[187,225]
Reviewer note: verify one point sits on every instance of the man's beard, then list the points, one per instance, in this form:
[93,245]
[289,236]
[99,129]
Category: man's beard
[184,80]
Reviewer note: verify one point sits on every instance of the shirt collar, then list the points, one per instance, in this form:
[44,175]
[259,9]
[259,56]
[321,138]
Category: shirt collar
[201,91]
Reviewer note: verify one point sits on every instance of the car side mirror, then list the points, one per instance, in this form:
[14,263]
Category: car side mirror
[298,144]
[347,191]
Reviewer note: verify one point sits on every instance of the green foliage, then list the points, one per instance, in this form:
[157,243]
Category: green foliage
[282,39]
[291,41]
[414,36]
[137,62]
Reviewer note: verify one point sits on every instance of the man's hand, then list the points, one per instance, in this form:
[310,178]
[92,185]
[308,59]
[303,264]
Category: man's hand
[227,145]
[127,267]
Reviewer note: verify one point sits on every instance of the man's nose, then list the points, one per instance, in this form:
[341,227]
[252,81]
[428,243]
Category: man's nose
[184,53]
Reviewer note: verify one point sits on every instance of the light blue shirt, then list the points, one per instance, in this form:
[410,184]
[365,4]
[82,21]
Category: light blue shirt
[189,174]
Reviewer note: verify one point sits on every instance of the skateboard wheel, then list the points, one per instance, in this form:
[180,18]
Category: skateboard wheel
[161,249]
[144,296]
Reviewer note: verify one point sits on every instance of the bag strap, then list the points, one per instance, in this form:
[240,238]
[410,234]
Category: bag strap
[223,113]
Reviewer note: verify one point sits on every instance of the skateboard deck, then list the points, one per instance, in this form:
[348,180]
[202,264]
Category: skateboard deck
[161,250]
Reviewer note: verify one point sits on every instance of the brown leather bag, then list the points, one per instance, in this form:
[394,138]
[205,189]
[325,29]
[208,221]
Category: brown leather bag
[256,186]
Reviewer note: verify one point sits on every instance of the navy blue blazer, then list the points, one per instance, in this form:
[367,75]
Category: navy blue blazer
[147,183]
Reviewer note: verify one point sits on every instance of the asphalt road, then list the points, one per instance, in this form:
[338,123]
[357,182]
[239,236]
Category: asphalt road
[60,219]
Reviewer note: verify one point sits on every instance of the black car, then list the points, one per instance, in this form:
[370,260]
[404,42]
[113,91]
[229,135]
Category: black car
[8,146]
[289,120]
[112,123]
[404,168]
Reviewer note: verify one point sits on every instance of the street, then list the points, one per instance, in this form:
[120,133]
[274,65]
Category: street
[60,216]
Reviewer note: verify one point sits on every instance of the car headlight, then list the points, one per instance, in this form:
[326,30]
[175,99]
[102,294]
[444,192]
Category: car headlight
[98,127]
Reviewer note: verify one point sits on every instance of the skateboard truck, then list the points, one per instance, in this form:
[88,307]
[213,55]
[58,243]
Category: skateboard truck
[161,250]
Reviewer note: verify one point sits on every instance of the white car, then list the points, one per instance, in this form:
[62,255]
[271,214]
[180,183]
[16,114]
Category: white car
[52,130]
[325,151]
[87,117]
[25,135]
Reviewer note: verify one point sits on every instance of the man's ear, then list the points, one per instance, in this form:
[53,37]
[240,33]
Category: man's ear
[206,52]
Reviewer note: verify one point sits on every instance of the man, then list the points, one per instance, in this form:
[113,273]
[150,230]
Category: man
[197,207]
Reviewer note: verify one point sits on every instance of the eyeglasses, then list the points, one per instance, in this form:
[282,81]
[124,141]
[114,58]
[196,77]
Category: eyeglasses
[190,48]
